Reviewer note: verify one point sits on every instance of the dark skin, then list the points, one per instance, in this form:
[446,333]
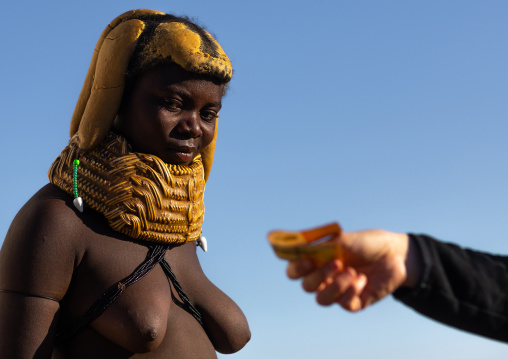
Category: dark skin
[171,114]
[53,250]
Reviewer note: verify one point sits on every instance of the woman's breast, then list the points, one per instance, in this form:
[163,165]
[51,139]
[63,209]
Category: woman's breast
[183,339]
[143,319]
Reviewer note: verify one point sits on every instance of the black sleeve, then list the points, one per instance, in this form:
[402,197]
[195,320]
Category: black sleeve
[462,288]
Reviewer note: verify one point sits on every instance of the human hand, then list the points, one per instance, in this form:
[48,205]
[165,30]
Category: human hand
[374,264]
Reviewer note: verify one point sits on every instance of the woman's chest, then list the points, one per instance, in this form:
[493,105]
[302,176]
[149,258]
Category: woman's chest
[122,287]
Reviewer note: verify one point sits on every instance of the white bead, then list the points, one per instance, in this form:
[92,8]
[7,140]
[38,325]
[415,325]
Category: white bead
[201,241]
[78,203]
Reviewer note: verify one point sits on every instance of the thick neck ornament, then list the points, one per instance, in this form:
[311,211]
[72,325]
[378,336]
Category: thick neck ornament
[139,194]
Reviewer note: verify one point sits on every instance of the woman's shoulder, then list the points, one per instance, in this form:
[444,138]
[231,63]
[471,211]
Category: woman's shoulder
[49,213]
[41,248]
[50,195]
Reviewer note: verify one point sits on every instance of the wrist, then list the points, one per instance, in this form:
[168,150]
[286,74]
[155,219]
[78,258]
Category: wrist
[413,264]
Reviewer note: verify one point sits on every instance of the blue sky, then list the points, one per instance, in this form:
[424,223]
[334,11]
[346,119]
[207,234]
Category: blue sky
[377,114]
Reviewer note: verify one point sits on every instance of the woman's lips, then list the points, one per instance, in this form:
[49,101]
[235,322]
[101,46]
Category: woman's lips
[183,149]
[181,154]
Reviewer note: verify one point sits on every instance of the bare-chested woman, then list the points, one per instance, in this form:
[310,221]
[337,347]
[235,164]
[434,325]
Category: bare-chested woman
[101,262]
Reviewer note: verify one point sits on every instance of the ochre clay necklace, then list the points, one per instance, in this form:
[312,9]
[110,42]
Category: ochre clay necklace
[139,194]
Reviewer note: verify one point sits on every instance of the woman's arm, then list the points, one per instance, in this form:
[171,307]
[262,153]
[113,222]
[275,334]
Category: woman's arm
[36,265]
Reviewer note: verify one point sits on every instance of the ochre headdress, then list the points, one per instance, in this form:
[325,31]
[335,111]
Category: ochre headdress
[137,40]
[140,195]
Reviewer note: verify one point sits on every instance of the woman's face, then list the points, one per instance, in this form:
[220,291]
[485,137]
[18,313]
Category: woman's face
[171,114]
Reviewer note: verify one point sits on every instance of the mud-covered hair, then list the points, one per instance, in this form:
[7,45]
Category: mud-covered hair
[139,63]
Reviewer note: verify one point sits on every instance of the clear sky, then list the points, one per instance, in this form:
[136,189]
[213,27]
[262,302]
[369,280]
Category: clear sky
[386,114]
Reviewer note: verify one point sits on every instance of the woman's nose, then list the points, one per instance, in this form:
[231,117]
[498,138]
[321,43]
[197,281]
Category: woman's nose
[191,124]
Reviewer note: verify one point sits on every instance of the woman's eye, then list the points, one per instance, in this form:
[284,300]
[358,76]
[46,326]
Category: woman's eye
[172,105]
[209,116]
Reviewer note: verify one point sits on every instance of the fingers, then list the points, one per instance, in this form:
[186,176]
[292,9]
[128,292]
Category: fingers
[332,282]
[345,289]
[352,298]
[313,276]
[313,281]
[298,269]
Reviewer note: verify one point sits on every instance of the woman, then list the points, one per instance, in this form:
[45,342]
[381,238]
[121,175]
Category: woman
[101,262]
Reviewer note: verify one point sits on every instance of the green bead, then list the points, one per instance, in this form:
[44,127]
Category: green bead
[76,162]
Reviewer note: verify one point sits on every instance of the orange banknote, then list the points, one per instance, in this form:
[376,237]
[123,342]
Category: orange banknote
[313,243]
